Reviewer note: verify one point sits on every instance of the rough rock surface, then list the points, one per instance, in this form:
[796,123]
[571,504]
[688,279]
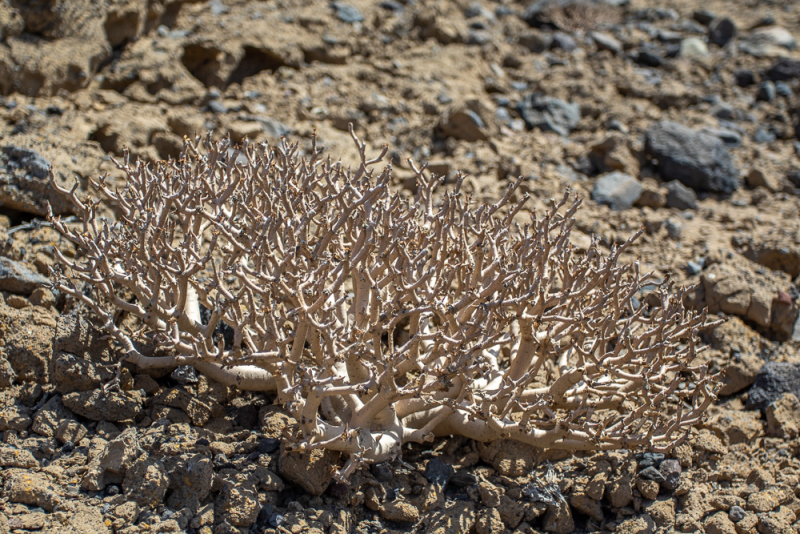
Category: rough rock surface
[696,159]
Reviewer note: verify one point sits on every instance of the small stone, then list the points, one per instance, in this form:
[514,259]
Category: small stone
[703,16]
[722,31]
[146,482]
[693,48]
[31,488]
[651,473]
[606,41]
[564,41]
[536,41]
[731,138]
[347,13]
[648,488]
[184,375]
[679,196]
[16,277]
[14,457]
[399,510]
[744,77]
[674,229]
[439,473]
[784,70]
[617,189]
[671,471]
[766,91]
[693,268]
[783,89]
[215,106]
[773,380]
[736,514]
[549,114]
[649,459]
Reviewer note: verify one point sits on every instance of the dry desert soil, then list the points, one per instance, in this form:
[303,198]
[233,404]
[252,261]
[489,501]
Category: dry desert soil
[680,117]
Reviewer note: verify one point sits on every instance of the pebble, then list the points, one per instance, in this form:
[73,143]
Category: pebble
[736,513]
[692,48]
[549,113]
[766,91]
[347,13]
[693,268]
[722,31]
[671,471]
[438,472]
[674,229]
[617,189]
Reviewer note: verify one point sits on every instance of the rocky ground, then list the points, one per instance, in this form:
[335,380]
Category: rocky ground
[682,120]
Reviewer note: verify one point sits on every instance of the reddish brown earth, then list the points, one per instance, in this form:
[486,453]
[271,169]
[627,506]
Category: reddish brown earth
[440,82]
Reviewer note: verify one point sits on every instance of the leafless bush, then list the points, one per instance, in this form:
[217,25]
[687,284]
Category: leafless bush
[379,320]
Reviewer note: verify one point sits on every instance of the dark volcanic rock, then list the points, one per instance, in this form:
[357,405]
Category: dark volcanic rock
[699,160]
[784,69]
[773,380]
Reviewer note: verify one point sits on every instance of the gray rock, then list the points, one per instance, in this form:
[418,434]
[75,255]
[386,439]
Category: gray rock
[29,160]
[651,473]
[704,16]
[564,41]
[438,472]
[347,13]
[722,31]
[606,41]
[617,189]
[549,113]
[670,469]
[674,229]
[16,277]
[536,41]
[783,89]
[766,91]
[731,138]
[463,123]
[679,196]
[99,406]
[696,159]
[784,70]
[773,380]
[736,513]
[693,268]
[771,41]
[744,77]
[184,375]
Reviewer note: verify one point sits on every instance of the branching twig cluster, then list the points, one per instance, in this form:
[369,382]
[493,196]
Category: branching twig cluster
[379,320]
